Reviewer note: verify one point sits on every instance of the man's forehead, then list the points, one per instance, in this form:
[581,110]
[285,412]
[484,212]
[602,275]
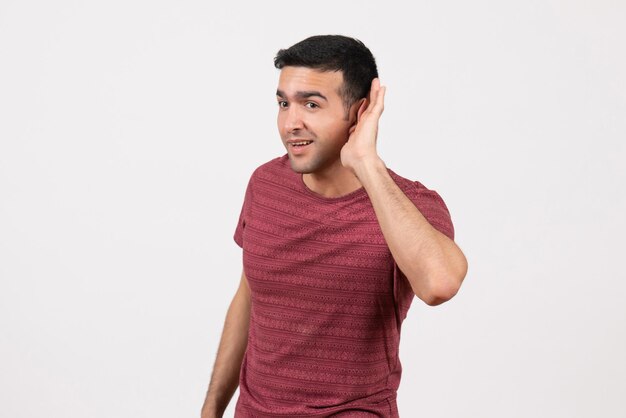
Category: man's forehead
[294,79]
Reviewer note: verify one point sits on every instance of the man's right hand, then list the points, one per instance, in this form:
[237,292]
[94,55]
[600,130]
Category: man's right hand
[225,376]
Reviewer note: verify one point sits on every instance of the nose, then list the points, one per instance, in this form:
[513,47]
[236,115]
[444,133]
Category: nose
[292,119]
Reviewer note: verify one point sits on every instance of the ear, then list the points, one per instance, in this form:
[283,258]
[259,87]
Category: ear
[362,106]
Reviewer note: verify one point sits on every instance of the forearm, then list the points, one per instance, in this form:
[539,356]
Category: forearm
[225,376]
[432,262]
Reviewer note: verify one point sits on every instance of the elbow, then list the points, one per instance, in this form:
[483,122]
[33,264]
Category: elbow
[440,294]
[442,289]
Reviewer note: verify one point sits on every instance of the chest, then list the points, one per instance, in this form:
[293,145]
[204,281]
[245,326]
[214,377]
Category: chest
[331,247]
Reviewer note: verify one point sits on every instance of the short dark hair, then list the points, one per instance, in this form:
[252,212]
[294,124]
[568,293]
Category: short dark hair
[334,53]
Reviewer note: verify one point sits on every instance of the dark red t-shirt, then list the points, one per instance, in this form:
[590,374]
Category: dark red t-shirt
[328,299]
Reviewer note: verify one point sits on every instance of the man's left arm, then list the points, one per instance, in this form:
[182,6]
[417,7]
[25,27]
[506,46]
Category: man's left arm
[434,265]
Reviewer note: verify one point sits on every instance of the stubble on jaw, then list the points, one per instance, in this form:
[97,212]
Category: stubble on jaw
[307,168]
[318,160]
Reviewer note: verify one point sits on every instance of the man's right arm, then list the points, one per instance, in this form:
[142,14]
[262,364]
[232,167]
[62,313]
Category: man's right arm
[225,376]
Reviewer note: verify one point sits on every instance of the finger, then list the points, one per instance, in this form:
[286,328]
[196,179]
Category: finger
[377,105]
[380,100]
[373,90]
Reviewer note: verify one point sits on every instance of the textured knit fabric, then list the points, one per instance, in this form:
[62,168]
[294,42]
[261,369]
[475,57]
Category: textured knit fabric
[328,299]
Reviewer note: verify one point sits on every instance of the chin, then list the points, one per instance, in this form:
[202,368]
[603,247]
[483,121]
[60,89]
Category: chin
[316,162]
[300,168]
[304,165]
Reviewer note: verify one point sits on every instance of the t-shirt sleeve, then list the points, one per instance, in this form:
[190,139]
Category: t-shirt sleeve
[433,208]
[244,215]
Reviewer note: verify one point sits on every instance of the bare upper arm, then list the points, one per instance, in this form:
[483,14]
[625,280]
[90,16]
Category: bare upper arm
[244,289]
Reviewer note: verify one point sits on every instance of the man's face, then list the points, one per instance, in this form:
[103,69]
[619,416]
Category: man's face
[311,109]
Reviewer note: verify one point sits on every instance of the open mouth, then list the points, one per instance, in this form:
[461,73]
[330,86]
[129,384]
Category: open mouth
[300,144]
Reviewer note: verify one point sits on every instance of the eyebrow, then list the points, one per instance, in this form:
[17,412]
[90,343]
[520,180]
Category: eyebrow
[303,94]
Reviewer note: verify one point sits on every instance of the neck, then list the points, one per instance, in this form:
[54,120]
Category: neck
[334,182]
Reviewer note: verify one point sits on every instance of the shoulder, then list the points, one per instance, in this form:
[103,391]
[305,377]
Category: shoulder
[429,203]
[422,196]
[408,186]
[275,171]
[274,167]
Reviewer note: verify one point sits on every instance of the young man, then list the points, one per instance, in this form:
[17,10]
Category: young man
[335,246]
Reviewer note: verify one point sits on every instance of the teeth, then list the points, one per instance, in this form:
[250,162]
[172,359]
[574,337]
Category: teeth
[301,143]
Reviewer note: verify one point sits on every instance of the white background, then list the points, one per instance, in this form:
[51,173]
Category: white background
[128,132]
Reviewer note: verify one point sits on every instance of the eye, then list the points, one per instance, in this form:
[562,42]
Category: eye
[311,105]
[282,104]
